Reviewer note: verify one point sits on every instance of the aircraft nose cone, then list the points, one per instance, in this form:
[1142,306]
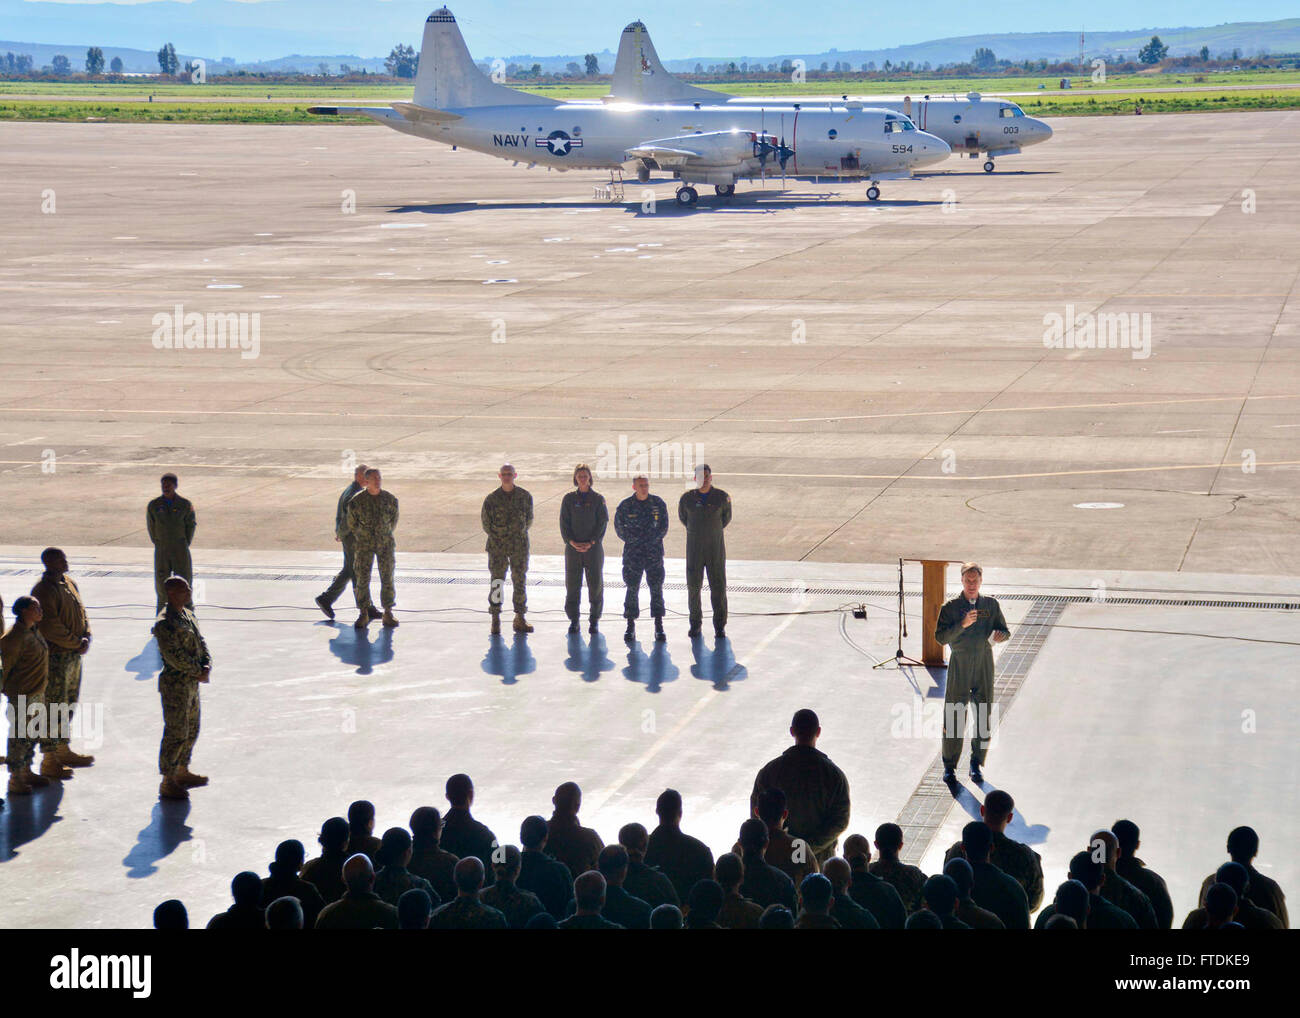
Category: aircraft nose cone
[936,150]
[1042,131]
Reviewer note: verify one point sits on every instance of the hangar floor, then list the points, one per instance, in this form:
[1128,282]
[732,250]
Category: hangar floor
[1154,697]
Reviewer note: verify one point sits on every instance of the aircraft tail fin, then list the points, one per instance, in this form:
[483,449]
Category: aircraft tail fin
[639,77]
[448,78]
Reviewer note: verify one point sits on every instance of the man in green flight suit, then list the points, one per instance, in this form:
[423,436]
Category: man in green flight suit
[186,664]
[705,512]
[507,514]
[170,520]
[372,518]
[965,625]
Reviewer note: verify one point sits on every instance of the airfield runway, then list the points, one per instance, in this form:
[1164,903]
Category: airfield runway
[868,381]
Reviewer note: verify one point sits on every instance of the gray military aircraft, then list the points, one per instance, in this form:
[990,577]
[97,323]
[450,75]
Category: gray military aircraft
[970,124]
[457,104]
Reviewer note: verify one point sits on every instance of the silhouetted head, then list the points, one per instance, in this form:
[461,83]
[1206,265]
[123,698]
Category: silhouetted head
[289,857]
[532,833]
[960,873]
[246,888]
[361,817]
[1128,834]
[889,840]
[426,825]
[635,839]
[284,914]
[1060,921]
[468,876]
[589,893]
[976,841]
[837,871]
[668,807]
[541,921]
[857,851]
[1220,903]
[666,917]
[1105,845]
[771,806]
[729,871]
[815,893]
[567,799]
[171,915]
[704,902]
[54,561]
[753,836]
[805,727]
[1243,845]
[1087,871]
[460,791]
[1072,899]
[507,868]
[394,847]
[333,835]
[923,919]
[1235,875]
[414,908]
[940,894]
[358,874]
[612,864]
[776,917]
[997,809]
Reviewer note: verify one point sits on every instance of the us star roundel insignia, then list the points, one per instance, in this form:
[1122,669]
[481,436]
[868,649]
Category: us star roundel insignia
[559,143]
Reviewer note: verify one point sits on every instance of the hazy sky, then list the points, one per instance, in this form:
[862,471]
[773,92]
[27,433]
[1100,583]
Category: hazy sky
[681,28]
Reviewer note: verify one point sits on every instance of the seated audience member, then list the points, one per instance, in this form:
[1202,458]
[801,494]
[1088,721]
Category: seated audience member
[284,914]
[325,872]
[505,895]
[539,874]
[414,908]
[684,859]
[648,883]
[395,878]
[566,839]
[360,908]
[428,858]
[284,881]
[738,912]
[763,882]
[1264,892]
[1102,915]
[627,910]
[703,905]
[1221,908]
[906,879]
[171,915]
[790,855]
[1137,873]
[666,917]
[588,900]
[875,895]
[923,919]
[990,887]
[815,894]
[466,911]
[1060,921]
[977,918]
[940,896]
[844,910]
[1250,916]
[361,830]
[1116,889]
[246,913]
[1016,859]
[462,835]
[776,917]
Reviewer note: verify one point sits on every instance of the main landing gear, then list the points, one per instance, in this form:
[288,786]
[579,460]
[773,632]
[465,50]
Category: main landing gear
[725,190]
[687,196]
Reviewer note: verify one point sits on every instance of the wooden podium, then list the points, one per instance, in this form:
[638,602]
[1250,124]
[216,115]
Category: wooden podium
[933,596]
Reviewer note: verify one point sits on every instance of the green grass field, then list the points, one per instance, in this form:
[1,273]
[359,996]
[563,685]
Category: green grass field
[251,103]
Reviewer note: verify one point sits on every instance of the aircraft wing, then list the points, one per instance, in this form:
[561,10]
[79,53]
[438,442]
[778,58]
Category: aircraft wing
[664,155]
[380,113]
[424,115]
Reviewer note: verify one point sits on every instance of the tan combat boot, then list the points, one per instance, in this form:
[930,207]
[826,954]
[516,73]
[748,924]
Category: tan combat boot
[172,789]
[37,780]
[18,784]
[186,778]
[68,758]
[363,620]
[390,622]
[521,626]
[51,768]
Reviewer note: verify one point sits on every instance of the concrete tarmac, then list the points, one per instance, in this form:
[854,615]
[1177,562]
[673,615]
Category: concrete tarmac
[866,380]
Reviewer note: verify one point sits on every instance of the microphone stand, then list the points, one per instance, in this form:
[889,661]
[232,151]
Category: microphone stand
[899,659]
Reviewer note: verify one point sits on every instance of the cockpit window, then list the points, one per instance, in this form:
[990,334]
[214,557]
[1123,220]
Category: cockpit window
[1011,111]
[896,125]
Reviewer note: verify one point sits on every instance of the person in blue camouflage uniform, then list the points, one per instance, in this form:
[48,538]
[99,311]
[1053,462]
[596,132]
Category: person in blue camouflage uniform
[186,664]
[343,535]
[705,512]
[372,518]
[641,520]
[506,516]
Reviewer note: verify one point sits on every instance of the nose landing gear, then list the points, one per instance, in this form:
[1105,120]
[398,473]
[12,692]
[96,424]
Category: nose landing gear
[873,193]
[988,166]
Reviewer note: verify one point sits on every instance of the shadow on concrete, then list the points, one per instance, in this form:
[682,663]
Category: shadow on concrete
[510,661]
[653,669]
[355,647]
[588,658]
[718,665]
[667,207]
[26,817]
[1017,829]
[147,664]
[167,829]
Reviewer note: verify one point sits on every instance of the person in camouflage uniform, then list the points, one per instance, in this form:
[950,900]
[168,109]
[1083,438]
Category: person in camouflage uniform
[641,520]
[67,632]
[171,522]
[346,575]
[507,514]
[705,512]
[24,657]
[186,664]
[372,518]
